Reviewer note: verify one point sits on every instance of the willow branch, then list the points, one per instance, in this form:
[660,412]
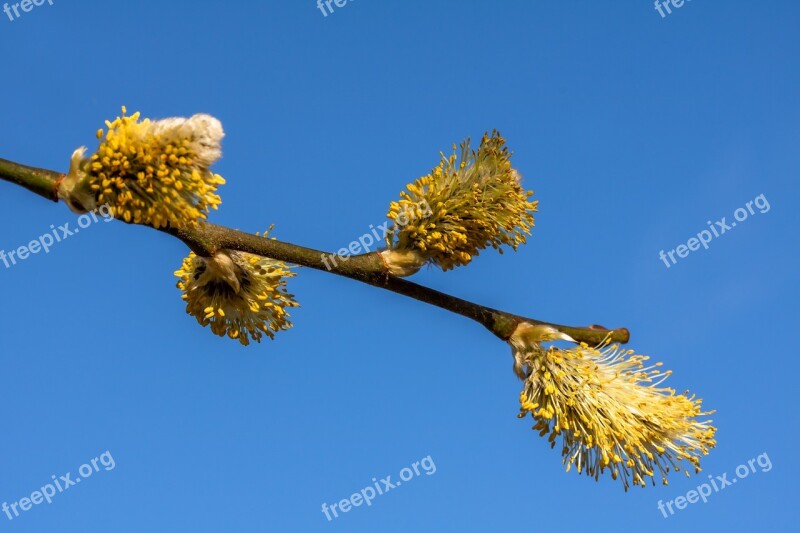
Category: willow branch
[206,238]
[38,180]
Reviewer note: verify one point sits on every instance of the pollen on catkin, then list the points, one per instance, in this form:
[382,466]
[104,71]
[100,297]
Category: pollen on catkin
[611,415]
[238,294]
[471,201]
[155,173]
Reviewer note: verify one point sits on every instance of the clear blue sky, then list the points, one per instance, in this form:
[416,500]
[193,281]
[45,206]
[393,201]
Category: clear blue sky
[633,130]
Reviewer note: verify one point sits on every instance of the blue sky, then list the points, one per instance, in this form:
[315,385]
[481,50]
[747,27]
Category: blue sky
[633,130]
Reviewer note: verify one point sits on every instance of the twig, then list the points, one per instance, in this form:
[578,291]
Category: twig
[206,238]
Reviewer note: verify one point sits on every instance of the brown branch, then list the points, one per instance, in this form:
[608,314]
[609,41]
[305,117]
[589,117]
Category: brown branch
[206,238]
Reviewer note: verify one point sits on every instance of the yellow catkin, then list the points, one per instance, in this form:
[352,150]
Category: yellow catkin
[475,201]
[610,414]
[154,172]
[237,294]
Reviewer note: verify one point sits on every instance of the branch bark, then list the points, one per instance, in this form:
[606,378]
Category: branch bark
[206,238]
